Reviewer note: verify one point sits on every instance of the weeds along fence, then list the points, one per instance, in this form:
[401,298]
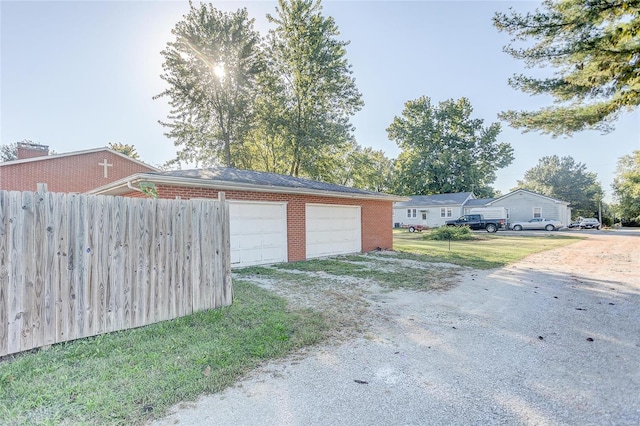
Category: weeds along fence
[74,265]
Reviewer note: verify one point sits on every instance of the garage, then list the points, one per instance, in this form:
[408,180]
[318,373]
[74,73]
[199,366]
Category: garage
[332,229]
[278,218]
[258,232]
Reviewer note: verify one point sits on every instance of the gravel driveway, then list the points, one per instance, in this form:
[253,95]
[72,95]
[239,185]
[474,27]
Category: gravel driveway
[553,339]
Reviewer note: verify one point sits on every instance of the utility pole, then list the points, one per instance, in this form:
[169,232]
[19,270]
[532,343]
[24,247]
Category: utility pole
[600,212]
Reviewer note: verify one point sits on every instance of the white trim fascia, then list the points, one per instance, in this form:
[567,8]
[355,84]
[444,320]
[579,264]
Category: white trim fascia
[556,201]
[427,206]
[120,187]
[73,153]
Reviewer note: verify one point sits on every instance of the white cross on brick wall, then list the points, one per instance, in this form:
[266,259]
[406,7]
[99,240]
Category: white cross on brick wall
[105,165]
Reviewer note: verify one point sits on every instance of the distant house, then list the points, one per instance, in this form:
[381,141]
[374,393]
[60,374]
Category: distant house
[520,205]
[523,205]
[77,171]
[430,210]
[277,218]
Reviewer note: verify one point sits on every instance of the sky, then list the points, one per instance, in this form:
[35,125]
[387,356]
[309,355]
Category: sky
[78,75]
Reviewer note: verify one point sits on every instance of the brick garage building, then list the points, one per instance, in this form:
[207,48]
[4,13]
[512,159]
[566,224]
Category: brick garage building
[78,171]
[278,218]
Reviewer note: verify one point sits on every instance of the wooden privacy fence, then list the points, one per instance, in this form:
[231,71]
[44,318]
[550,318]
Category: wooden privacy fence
[73,266]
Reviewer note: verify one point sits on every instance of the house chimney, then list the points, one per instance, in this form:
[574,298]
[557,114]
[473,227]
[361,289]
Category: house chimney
[31,150]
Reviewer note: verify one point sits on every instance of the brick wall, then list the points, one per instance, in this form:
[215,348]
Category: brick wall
[375,221]
[73,173]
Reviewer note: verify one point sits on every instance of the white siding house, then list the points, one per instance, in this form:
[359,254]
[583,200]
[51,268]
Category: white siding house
[520,205]
[430,210]
[523,205]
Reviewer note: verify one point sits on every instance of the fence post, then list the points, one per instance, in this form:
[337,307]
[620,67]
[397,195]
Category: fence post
[41,187]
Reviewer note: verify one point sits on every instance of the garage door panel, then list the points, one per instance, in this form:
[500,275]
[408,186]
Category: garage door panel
[332,229]
[252,256]
[258,232]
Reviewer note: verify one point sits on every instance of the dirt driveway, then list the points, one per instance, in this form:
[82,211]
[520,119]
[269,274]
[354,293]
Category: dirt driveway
[553,339]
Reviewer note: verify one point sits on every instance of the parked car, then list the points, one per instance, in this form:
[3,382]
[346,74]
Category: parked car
[537,223]
[589,223]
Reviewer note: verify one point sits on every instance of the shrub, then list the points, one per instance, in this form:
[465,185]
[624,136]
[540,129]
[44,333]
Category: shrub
[449,233]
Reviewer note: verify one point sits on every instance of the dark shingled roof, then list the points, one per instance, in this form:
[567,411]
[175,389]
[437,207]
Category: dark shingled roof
[249,177]
[435,200]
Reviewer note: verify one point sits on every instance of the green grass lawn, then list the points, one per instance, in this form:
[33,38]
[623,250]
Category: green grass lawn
[131,376]
[485,251]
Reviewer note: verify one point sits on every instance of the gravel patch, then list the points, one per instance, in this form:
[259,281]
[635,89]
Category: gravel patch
[553,339]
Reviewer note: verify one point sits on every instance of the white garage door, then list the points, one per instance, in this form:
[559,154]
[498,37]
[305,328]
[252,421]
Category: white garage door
[258,232]
[332,230]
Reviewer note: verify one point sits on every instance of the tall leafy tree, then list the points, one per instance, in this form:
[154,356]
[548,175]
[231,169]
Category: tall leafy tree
[308,92]
[626,187]
[564,179]
[594,46]
[211,69]
[445,150]
[365,168]
[126,149]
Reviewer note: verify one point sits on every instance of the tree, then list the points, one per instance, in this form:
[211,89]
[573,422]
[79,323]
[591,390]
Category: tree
[445,150]
[308,92]
[593,45]
[125,149]
[211,69]
[9,152]
[365,168]
[564,179]
[626,187]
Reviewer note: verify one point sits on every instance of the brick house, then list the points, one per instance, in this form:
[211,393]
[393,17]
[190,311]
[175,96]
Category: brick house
[277,218]
[78,171]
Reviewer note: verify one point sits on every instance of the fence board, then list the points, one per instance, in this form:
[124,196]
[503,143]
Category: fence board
[50,274]
[183,255]
[4,273]
[60,266]
[39,239]
[152,294]
[15,274]
[129,264]
[196,260]
[117,263]
[173,287]
[162,303]
[225,287]
[80,269]
[27,269]
[73,266]
[206,227]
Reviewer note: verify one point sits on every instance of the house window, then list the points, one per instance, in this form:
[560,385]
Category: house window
[537,212]
[446,212]
[424,215]
[411,213]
